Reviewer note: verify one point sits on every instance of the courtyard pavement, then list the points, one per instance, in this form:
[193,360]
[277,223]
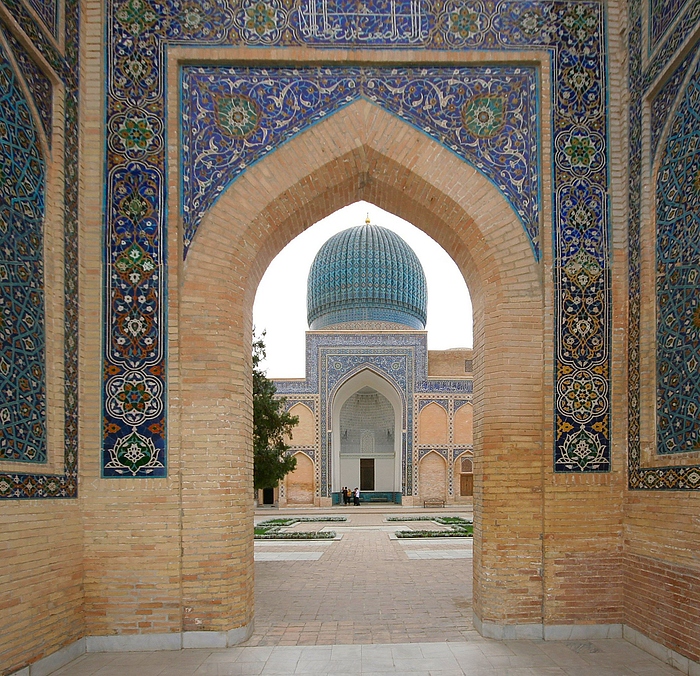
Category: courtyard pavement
[370,604]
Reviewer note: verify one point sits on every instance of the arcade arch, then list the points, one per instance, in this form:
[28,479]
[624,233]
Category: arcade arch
[361,152]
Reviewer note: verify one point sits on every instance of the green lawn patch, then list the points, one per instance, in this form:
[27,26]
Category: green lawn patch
[270,530]
[459,527]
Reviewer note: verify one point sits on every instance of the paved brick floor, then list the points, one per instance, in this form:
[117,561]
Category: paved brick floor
[364,607]
[364,588]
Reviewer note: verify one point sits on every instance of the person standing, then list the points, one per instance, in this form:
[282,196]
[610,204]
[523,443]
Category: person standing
[356,497]
[345,495]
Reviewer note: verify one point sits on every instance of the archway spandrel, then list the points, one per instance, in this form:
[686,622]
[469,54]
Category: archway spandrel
[234,117]
[296,186]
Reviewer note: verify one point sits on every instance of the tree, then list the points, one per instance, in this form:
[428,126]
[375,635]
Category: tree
[271,423]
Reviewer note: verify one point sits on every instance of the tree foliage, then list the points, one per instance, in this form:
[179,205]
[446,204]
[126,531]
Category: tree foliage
[271,424]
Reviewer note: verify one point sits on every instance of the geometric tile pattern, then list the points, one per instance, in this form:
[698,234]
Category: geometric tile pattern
[677,265]
[34,485]
[678,279]
[22,337]
[572,31]
[233,117]
[48,11]
[663,103]
[662,13]
[39,84]
[670,43]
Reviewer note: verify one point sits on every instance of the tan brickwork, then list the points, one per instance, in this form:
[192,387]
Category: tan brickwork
[433,477]
[41,571]
[300,482]
[464,424]
[304,433]
[433,427]
[41,578]
[362,152]
[661,530]
[450,363]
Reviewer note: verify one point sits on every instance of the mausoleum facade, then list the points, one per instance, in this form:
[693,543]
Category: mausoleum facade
[371,414]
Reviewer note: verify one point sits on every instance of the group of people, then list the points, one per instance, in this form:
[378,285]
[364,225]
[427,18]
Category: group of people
[348,495]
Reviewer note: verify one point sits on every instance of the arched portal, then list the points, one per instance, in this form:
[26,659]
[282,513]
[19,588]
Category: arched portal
[367,415]
[360,152]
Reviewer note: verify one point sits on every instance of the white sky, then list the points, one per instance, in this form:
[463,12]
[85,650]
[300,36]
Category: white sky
[280,302]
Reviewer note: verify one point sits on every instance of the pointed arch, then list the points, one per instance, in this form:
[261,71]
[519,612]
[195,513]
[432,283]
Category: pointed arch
[433,425]
[303,434]
[464,424]
[432,477]
[366,377]
[300,484]
[361,152]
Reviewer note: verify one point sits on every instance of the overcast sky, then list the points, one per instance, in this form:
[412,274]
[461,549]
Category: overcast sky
[280,302]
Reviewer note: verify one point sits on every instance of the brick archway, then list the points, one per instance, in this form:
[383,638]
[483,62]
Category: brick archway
[360,152]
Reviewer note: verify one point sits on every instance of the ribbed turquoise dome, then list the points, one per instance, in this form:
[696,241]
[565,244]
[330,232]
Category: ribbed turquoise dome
[366,274]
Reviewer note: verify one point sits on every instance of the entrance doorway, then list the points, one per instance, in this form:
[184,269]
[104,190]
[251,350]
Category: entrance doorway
[366,474]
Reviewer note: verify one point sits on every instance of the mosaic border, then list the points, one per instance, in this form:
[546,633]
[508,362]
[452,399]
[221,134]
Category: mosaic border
[574,34]
[35,485]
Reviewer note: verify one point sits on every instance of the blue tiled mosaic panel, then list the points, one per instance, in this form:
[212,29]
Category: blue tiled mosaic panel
[678,280]
[642,478]
[233,117]
[48,11]
[39,84]
[573,31]
[22,337]
[668,48]
[36,485]
[664,102]
[662,13]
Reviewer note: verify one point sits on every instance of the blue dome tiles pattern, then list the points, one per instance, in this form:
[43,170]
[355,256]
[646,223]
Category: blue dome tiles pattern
[366,273]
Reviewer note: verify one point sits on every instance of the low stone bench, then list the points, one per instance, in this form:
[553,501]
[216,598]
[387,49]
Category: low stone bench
[433,503]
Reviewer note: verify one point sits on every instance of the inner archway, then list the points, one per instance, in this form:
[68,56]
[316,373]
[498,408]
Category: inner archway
[367,422]
[362,152]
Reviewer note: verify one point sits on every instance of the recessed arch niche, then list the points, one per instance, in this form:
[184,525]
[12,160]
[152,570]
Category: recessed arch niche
[385,450]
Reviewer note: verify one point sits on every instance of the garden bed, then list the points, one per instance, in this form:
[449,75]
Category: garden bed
[271,530]
[459,527]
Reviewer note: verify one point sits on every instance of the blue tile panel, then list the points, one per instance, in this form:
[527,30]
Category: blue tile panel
[662,14]
[22,331]
[678,279]
[23,253]
[233,117]
[677,265]
[664,101]
[39,84]
[366,273]
[137,33]
[48,11]
[676,36]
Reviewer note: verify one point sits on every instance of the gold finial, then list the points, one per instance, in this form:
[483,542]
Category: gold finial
[367,221]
